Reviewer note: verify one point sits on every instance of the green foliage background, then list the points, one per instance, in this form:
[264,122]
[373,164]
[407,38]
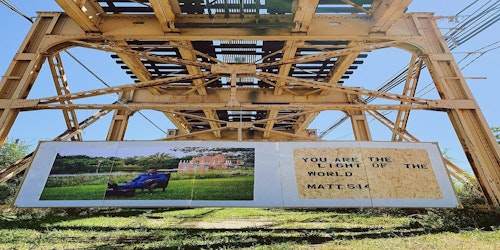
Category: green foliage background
[11,151]
[74,164]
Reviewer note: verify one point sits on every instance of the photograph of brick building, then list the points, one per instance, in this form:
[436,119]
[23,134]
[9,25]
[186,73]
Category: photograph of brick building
[208,162]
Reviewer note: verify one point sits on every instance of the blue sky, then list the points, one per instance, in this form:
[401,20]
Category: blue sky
[482,76]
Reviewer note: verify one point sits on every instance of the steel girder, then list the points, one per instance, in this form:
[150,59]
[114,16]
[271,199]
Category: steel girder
[254,71]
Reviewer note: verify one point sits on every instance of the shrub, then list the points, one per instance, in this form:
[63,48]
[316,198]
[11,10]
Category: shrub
[471,215]
[11,151]
[75,181]
[209,174]
[6,193]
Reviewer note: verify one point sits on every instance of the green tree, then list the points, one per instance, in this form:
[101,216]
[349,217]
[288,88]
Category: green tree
[157,160]
[496,132]
[11,151]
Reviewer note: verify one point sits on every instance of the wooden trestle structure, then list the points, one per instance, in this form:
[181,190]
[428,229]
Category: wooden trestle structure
[247,70]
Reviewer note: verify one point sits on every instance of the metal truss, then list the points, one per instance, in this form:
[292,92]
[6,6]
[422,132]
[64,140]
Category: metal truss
[247,70]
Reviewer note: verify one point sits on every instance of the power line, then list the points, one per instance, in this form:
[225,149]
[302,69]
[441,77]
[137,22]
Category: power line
[477,52]
[19,12]
[480,19]
[86,68]
[121,103]
[475,23]
[16,10]
[106,84]
[430,85]
[481,53]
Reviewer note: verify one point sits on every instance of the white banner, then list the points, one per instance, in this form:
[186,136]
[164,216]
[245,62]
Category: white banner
[236,174]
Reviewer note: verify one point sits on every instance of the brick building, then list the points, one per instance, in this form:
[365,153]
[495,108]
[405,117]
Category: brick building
[217,161]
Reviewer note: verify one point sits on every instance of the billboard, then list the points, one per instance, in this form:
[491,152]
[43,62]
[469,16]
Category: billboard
[236,174]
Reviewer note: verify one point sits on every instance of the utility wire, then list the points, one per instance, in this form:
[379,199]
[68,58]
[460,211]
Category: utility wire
[119,102]
[479,53]
[431,86]
[13,8]
[86,68]
[480,19]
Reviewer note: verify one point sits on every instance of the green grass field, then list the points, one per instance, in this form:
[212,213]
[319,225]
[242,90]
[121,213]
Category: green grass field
[234,228]
[82,192]
[242,228]
[228,188]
